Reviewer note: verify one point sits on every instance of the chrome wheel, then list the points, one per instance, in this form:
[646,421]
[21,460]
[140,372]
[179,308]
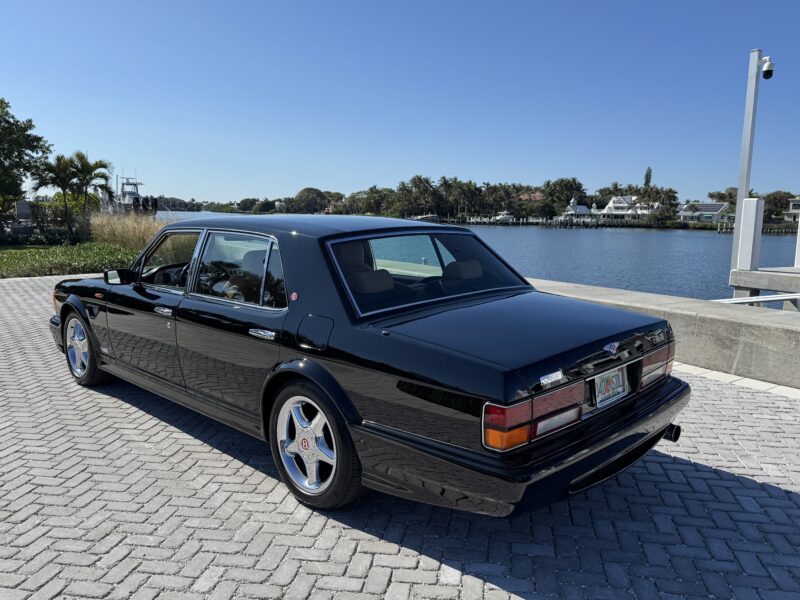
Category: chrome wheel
[77,344]
[306,445]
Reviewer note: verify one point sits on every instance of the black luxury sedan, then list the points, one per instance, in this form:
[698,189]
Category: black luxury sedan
[401,356]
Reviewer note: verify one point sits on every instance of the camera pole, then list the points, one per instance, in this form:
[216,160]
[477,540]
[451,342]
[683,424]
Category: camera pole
[746,159]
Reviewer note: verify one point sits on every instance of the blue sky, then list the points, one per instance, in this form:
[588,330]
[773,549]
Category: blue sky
[223,100]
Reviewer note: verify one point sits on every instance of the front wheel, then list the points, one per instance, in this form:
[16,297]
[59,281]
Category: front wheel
[80,352]
[312,448]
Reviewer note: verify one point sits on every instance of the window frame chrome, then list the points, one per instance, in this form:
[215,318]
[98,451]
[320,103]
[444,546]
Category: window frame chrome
[138,263]
[273,243]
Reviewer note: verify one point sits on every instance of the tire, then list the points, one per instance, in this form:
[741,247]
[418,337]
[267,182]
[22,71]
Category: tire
[299,440]
[79,351]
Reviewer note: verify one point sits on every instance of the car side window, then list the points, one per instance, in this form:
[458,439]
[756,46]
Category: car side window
[274,286]
[168,263]
[232,267]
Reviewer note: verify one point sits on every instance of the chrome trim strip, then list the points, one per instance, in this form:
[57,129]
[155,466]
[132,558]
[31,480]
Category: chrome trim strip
[625,364]
[152,286]
[206,297]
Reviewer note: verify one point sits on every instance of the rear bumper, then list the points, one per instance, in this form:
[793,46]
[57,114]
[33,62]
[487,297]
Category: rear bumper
[579,457]
[55,330]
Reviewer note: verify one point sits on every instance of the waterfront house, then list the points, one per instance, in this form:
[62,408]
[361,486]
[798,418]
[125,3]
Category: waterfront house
[793,214]
[577,211]
[705,212]
[626,208]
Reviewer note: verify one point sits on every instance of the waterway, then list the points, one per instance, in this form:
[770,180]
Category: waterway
[676,262]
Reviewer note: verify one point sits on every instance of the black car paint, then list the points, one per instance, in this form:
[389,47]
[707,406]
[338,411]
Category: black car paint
[411,380]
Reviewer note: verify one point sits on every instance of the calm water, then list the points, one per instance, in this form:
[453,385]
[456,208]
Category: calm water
[674,262]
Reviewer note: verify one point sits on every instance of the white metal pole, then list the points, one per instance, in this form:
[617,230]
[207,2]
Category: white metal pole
[797,248]
[747,150]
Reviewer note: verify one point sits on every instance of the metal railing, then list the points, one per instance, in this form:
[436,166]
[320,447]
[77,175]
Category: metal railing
[759,299]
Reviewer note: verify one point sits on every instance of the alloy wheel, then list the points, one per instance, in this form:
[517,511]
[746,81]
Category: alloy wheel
[306,445]
[77,343]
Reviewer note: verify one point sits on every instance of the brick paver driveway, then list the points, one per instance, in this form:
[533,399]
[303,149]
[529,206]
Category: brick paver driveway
[117,493]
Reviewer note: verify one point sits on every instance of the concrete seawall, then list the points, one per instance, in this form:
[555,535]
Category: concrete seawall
[747,341]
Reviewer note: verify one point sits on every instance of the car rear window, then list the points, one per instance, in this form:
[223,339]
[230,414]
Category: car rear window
[385,272]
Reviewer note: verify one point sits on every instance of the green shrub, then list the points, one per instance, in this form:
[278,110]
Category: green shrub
[90,257]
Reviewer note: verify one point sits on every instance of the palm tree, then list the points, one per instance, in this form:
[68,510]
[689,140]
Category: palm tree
[58,173]
[88,173]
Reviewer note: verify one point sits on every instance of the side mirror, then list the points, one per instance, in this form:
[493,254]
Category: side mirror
[119,276]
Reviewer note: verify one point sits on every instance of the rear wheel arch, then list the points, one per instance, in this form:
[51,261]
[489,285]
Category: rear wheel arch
[297,371]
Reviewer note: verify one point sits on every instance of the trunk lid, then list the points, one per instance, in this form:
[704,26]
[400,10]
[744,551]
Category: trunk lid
[538,334]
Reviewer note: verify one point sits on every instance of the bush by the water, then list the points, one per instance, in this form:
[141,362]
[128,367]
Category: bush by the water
[129,231]
[91,257]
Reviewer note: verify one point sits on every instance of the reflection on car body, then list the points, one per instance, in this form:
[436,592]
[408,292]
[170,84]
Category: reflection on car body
[405,357]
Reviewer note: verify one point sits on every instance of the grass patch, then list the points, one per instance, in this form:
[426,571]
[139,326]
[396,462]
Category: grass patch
[91,257]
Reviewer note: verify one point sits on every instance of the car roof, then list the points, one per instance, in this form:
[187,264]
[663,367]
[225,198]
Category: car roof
[310,225]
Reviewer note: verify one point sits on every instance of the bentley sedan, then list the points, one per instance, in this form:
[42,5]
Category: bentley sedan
[405,357]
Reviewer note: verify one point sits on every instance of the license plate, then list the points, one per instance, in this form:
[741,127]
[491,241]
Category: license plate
[610,385]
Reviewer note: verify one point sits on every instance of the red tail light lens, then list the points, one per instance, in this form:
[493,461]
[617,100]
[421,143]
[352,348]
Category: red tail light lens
[506,417]
[657,364]
[508,427]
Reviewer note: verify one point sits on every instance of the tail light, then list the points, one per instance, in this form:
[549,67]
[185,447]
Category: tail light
[657,364]
[509,427]
[506,427]
[557,409]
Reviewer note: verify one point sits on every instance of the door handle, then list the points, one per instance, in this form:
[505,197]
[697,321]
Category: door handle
[264,334]
[163,310]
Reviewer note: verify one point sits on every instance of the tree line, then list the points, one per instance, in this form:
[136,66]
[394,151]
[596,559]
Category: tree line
[450,197]
[25,155]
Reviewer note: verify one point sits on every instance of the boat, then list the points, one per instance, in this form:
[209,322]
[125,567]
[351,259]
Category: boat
[127,199]
[503,218]
[428,218]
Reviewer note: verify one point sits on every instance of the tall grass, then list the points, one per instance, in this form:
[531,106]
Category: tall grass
[129,231]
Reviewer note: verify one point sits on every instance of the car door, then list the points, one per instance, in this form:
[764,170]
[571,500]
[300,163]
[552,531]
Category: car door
[230,323]
[141,315]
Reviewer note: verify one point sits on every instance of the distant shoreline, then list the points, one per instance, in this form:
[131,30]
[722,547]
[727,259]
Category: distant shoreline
[768,229]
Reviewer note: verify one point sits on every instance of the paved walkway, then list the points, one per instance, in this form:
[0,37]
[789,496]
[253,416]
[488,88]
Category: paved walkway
[117,493]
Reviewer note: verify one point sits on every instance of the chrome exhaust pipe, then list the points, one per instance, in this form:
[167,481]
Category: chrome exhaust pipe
[672,433]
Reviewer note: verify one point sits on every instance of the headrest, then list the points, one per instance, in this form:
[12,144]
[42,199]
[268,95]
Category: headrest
[371,282]
[350,254]
[463,269]
[253,262]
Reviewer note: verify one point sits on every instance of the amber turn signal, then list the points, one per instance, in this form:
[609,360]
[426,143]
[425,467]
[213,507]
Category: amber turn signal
[506,440]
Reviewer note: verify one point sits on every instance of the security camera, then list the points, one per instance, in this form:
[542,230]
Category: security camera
[768,69]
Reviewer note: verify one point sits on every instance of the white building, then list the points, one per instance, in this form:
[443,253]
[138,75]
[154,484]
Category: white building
[793,214]
[626,208]
[577,211]
[705,212]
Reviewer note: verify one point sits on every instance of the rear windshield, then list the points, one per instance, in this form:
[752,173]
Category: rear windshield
[390,271]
